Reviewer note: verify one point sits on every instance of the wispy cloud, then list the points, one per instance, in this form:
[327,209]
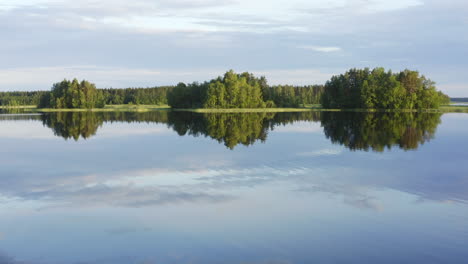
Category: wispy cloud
[325,49]
[5,259]
[285,36]
[42,78]
[300,127]
[321,152]
[24,130]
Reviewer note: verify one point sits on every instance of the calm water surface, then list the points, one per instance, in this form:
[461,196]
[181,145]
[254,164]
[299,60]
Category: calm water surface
[165,187]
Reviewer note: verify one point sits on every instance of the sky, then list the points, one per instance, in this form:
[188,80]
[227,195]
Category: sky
[139,43]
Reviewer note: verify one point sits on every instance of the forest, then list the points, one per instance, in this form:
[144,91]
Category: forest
[241,91]
[20,98]
[380,89]
[145,96]
[72,94]
[357,88]
[110,96]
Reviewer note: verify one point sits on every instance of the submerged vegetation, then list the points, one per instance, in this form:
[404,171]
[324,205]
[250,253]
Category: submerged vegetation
[355,89]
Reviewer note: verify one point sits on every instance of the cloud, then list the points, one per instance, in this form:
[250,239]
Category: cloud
[218,184]
[353,195]
[23,130]
[321,152]
[185,36]
[204,15]
[5,259]
[325,49]
[295,76]
[127,230]
[300,127]
[45,76]
[123,130]
[42,78]
[121,196]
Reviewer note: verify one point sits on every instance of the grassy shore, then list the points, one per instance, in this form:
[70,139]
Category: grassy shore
[147,108]
[245,110]
[107,108]
[453,109]
[18,107]
[442,109]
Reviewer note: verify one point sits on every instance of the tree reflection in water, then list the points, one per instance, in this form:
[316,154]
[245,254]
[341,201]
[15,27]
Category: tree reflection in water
[354,130]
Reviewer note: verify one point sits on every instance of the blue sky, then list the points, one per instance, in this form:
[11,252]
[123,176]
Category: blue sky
[121,43]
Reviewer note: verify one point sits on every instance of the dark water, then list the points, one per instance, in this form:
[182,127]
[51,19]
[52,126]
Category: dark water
[165,187]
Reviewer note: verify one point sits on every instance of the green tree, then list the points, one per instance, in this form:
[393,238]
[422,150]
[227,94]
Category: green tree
[382,90]
[73,94]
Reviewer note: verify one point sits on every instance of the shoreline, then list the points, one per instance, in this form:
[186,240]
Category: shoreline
[149,108]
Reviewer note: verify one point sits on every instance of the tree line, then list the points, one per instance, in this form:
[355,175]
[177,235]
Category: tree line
[230,91]
[293,96]
[18,98]
[147,96]
[380,89]
[242,90]
[108,96]
[357,88]
[460,99]
[73,94]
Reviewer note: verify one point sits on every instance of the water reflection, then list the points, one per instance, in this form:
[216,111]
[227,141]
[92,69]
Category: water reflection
[377,131]
[356,131]
[232,129]
[138,192]
[73,125]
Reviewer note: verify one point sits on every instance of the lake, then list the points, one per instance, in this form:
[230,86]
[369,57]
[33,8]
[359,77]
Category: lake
[181,187]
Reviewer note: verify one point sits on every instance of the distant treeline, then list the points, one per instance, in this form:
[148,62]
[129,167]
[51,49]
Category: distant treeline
[357,88]
[20,98]
[460,99]
[241,91]
[380,89]
[293,96]
[230,91]
[110,96]
[147,96]
[73,94]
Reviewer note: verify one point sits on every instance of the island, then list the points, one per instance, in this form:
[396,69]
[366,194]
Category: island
[355,90]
